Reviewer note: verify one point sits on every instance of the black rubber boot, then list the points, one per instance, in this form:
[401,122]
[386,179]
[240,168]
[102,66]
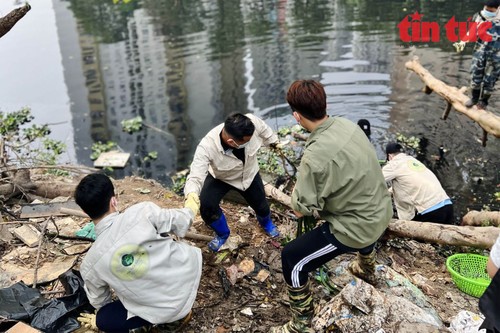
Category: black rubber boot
[476,93]
[483,102]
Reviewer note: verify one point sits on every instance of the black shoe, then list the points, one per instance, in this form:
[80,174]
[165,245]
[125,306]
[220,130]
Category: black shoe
[476,93]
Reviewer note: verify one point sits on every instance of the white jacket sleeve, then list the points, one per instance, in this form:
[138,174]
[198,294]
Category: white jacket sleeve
[263,130]
[198,171]
[389,172]
[98,293]
[177,221]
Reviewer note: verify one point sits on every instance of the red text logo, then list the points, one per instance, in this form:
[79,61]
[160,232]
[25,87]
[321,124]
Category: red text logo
[416,30]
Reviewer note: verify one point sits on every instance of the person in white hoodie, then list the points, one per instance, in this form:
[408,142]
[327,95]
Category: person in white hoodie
[154,277]
[418,194]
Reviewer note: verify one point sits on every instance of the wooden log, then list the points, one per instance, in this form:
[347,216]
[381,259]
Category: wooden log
[487,120]
[476,218]
[277,195]
[8,21]
[51,189]
[480,237]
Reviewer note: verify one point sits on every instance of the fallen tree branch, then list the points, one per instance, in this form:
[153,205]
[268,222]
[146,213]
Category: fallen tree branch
[277,195]
[8,21]
[480,237]
[477,218]
[487,120]
[73,168]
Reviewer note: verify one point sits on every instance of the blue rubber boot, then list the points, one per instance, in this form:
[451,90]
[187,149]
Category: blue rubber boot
[268,226]
[222,230]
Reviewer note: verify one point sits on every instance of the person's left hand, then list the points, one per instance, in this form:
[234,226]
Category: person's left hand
[88,320]
[276,145]
[459,46]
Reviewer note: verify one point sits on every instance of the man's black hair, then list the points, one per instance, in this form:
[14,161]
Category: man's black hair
[238,126]
[492,3]
[93,194]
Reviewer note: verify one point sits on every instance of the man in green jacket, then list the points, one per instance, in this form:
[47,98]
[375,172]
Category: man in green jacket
[339,181]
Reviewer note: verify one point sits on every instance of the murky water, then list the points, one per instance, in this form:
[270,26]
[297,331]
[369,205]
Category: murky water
[184,65]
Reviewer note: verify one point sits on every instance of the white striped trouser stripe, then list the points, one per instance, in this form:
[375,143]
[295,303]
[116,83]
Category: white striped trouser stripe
[298,267]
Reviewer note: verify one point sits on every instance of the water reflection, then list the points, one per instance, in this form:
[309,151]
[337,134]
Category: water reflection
[184,65]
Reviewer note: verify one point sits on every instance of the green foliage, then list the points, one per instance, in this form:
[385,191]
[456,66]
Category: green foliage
[152,155]
[27,145]
[98,148]
[409,142]
[179,180]
[497,196]
[10,122]
[132,125]
[273,162]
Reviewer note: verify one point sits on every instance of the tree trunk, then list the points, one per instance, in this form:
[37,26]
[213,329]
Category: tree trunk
[487,120]
[14,183]
[53,190]
[9,20]
[480,237]
[481,218]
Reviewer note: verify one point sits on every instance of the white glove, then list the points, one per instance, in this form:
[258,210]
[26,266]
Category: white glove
[459,46]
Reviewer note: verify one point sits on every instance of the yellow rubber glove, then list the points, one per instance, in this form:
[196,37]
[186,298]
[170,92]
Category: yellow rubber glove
[192,202]
[88,320]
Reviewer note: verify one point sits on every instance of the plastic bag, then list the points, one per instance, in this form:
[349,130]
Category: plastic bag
[21,302]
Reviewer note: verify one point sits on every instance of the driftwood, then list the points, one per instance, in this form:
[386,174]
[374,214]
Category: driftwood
[8,21]
[14,183]
[477,218]
[277,195]
[480,237]
[455,97]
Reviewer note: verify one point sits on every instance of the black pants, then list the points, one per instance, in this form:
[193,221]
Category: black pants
[310,251]
[214,190]
[442,215]
[112,318]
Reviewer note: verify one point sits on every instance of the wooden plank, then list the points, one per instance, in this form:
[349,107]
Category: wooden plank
[48,209]
[28,234]
[112,159]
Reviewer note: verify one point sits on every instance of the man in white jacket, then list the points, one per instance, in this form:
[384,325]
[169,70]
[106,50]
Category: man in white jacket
[154,277]
[418,194]
[226,159]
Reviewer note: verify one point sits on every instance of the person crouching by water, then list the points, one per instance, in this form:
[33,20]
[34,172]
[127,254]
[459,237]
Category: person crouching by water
[418,194]
[226,159]
[154,277]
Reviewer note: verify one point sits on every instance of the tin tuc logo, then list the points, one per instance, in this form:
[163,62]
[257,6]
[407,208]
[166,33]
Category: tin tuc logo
[416,30]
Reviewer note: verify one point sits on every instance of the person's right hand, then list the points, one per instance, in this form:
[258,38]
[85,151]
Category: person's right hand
[459,46]
[88,320]
[192,202]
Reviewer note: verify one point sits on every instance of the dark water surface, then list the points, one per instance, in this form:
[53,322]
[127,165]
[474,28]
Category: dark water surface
[184,65]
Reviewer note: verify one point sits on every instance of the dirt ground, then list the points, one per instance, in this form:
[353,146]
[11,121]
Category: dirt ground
[254,304]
